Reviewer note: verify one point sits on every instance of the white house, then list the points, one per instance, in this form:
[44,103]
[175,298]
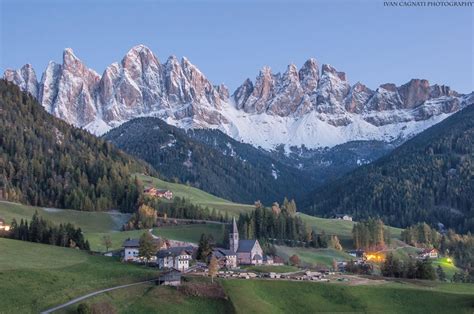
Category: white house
[226,258]
[342,217]
[175,257]
[428,253]
[130,250]
[131,247]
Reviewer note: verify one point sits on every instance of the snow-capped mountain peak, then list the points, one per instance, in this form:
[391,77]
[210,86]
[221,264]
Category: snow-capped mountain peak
[302,106]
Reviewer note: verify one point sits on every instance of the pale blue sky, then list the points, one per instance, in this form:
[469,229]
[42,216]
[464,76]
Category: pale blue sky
[231,40]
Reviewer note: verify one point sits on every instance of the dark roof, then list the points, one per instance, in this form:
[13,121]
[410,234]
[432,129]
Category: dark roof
[175,251]
[268,258]
[131,243]
[170,276]
[135,242]
[246,245]
[257,257]
[219,252]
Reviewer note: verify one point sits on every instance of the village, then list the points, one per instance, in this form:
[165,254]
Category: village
[177,258]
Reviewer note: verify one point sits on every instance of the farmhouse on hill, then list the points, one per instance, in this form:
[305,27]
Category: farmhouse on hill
[342,217]
[428,253]
[160,193]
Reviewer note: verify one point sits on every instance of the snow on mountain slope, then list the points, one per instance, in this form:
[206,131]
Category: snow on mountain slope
[299,107]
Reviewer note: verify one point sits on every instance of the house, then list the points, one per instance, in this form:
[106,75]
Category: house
[249,252]
[226,258]
[3,225]
[171,278]
[342,217]
[268,260]
[278,261]
[174,257]
[428,253]
[160,193]
[357,253]
[131,247]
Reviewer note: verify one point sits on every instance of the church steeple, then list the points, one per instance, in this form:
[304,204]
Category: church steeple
[234,237]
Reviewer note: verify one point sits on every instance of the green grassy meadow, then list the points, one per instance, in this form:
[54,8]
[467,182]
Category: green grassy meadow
[448,267]
[150,298]
[188,233]
[88,221]
[342,228]
[311,256]
[197,196]
[36,276]
[265,296]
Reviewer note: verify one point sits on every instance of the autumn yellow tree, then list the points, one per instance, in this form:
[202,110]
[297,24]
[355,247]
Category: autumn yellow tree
[213,268]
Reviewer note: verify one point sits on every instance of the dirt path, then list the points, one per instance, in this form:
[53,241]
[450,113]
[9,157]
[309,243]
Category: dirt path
[78,299]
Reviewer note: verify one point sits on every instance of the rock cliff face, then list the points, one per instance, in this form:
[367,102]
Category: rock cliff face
[303,106]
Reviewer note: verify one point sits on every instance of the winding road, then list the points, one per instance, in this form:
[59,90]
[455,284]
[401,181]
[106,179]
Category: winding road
[51,310]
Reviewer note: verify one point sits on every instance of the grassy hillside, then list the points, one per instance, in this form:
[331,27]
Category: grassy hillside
[36,276]
[211,161]
[188,233]
[264,296]
[88,221]
[197,196]
[312,257]
[155,299]
[339,227]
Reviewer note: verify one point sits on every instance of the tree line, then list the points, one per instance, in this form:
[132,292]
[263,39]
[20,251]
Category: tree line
[413,269]
[370,234]
[278,223]
[428,178]
[46,162]
[40,230]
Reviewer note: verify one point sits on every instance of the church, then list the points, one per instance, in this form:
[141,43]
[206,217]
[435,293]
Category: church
[240,252]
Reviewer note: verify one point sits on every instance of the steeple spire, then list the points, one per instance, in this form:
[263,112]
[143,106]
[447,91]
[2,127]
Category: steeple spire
[234,226]
[234,237]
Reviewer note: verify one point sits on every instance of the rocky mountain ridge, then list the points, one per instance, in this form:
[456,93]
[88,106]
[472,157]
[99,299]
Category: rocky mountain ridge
[303,106]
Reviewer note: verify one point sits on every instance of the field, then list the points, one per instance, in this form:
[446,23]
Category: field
[88,221]
[197,196]
[312,257]
[155,299]
[188,233]
[448,267]
[342,228]
[36,276]
[265,296]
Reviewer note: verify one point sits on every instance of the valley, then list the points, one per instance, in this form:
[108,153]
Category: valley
[148,185]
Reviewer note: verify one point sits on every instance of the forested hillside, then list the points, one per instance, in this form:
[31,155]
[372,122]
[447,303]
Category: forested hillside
[429,178]
[232,170]
[46,162]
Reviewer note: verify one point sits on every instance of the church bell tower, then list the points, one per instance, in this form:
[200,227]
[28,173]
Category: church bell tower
[234,237]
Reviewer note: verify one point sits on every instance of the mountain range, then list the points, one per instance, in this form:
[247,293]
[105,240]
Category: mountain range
[313,106]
